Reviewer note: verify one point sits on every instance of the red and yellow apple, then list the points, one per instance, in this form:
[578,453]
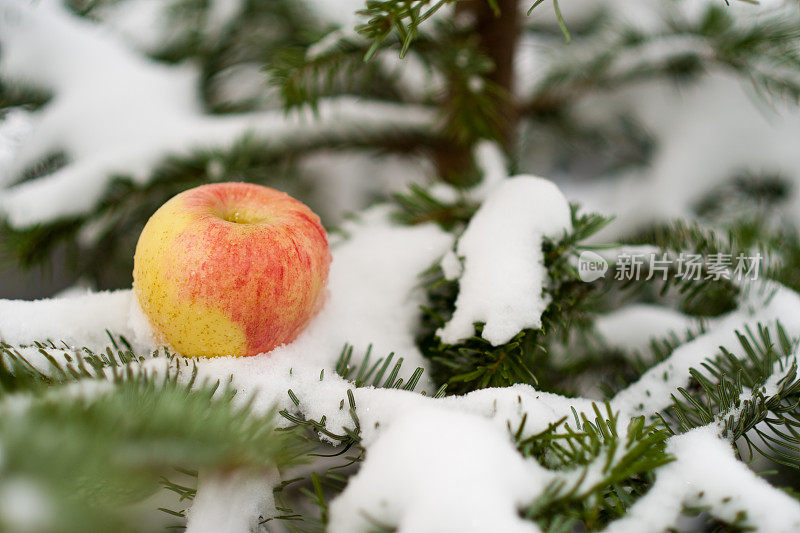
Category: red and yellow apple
[231,269]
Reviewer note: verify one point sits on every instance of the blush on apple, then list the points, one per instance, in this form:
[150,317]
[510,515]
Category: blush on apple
[231,269]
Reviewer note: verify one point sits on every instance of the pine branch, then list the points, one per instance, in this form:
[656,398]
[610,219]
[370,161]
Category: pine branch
[19,374]
[418,206]
[94,446]
[319,487]
[612,54]
[776,247]
[476,65]
[257,35]
[599,472]
[757,395]
[303,76]
[755,193]
[778,244]
[475,363]
[476,103]
[404,19]
[659,350]
[701,294]
[364,373]
[16,94]
[470,110]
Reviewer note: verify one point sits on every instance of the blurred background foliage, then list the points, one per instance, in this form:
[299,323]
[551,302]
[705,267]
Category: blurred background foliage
[554,108]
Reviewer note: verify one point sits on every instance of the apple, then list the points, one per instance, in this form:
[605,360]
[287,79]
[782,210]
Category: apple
[231,269]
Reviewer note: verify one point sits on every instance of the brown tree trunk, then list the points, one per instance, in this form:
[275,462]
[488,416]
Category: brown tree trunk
[498,34]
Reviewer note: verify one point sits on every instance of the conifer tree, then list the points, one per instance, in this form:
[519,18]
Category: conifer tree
[660,394]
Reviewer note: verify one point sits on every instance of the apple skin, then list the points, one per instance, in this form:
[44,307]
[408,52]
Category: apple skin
[231,269]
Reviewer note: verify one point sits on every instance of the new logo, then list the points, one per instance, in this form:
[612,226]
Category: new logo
[591,266]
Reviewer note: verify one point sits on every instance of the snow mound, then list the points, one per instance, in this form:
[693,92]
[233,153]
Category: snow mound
[504,274]
[424,475]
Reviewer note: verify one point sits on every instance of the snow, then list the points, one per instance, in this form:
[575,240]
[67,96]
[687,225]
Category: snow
[653,391]
[504,276]
[773,384]
[244,84]
[340,12]
[221,13]
[346,181]
[694,155]
[422,475]
[231,502]
[706,473]
[24,506]
[15,125]
[143,23]
[421,462]
[78,187]
[373,300]
[493,166]
[90,68]
[398,489]
[632,327]
[451,266]
[78,320]
[414,78]
[372,285]
[330,42]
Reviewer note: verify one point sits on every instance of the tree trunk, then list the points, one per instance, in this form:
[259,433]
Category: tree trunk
[498,34]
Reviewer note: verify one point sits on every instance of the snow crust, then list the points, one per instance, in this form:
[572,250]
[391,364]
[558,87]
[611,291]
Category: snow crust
[504,274]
